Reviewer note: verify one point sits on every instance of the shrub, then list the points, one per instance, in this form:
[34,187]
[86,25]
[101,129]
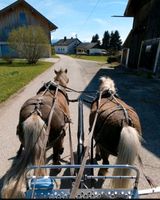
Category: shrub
[111,59]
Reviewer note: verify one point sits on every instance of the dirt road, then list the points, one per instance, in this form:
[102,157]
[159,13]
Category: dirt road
[138,91]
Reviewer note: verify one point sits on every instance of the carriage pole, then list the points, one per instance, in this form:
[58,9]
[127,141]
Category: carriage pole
[80,133]
[86,153]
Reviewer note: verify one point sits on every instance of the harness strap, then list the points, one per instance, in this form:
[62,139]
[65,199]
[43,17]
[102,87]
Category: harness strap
[52,86]
[37,108]
[127,118]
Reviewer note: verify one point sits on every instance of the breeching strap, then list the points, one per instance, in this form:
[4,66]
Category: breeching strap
[81,170]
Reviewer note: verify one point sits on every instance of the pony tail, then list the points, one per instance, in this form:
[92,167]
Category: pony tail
[35,139]
[34,129]
[128,149]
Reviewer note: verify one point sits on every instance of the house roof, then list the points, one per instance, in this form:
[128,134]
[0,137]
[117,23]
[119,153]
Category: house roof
[87,45]
[133,6]
[24,3]
[65,41]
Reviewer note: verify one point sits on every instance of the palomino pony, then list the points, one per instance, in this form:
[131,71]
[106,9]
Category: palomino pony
[42,124]
[117,130]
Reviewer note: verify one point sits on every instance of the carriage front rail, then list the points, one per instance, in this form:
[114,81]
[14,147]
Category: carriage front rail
[37,186]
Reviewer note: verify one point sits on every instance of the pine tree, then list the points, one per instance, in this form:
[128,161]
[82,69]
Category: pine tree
[95,38]
[115,41]
[106,40]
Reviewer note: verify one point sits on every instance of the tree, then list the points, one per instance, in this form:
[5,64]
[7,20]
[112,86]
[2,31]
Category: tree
[30,42]
[95,38]
[106,40]
[115,41]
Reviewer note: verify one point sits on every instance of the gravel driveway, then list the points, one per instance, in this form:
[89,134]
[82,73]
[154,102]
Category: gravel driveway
[140,92]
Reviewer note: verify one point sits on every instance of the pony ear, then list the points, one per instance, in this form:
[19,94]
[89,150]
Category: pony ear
[66,71]
[56,72]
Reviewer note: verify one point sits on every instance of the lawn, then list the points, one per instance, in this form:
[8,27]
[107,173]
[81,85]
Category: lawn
[93,58]
[16,75]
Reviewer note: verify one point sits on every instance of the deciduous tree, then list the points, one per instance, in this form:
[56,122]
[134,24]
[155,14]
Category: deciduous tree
[30,42]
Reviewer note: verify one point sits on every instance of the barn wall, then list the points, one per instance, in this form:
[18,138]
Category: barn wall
[20,16]
[145,26]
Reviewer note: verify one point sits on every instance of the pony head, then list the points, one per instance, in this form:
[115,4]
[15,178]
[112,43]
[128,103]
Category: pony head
[106,83]
[61,77]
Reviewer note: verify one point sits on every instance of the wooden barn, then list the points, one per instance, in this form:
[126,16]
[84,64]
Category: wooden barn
[18,14]
[142,46]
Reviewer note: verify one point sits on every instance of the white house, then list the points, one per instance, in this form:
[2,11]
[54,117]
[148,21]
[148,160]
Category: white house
[90,48]
[66,46]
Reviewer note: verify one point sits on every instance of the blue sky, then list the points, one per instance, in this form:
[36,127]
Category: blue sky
[82,17]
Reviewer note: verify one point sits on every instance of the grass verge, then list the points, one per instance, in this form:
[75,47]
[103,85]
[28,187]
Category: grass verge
[93,58]
[16,75]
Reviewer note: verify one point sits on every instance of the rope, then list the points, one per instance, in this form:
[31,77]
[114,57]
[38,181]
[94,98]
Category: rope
[123,108]
[81,170]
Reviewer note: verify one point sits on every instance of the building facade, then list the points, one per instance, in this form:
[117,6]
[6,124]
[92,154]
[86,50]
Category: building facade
[142,46]
[66,46]
[18,14]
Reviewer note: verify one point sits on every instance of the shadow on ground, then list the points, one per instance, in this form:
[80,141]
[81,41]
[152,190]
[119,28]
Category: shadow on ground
[141,92]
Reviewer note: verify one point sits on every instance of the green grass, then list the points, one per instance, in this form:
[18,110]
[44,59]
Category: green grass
[93,58]
[55,56]
[16,75]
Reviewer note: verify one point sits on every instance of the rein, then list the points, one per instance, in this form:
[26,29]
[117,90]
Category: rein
[52,109]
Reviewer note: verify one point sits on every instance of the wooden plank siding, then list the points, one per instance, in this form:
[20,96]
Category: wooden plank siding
[146,23]
[20,14]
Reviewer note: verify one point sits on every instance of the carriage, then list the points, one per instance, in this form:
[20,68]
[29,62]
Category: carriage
[48,112]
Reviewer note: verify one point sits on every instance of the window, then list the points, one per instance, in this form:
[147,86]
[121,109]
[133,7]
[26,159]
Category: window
[22,18]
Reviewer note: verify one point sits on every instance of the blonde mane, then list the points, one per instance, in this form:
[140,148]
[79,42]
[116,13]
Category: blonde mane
[106,83]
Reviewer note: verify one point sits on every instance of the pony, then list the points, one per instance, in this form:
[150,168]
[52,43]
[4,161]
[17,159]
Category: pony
[117,131]
[42,124]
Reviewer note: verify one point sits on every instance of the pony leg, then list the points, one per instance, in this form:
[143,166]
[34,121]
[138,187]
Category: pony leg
[58,149]
[98,153]
[105,156]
